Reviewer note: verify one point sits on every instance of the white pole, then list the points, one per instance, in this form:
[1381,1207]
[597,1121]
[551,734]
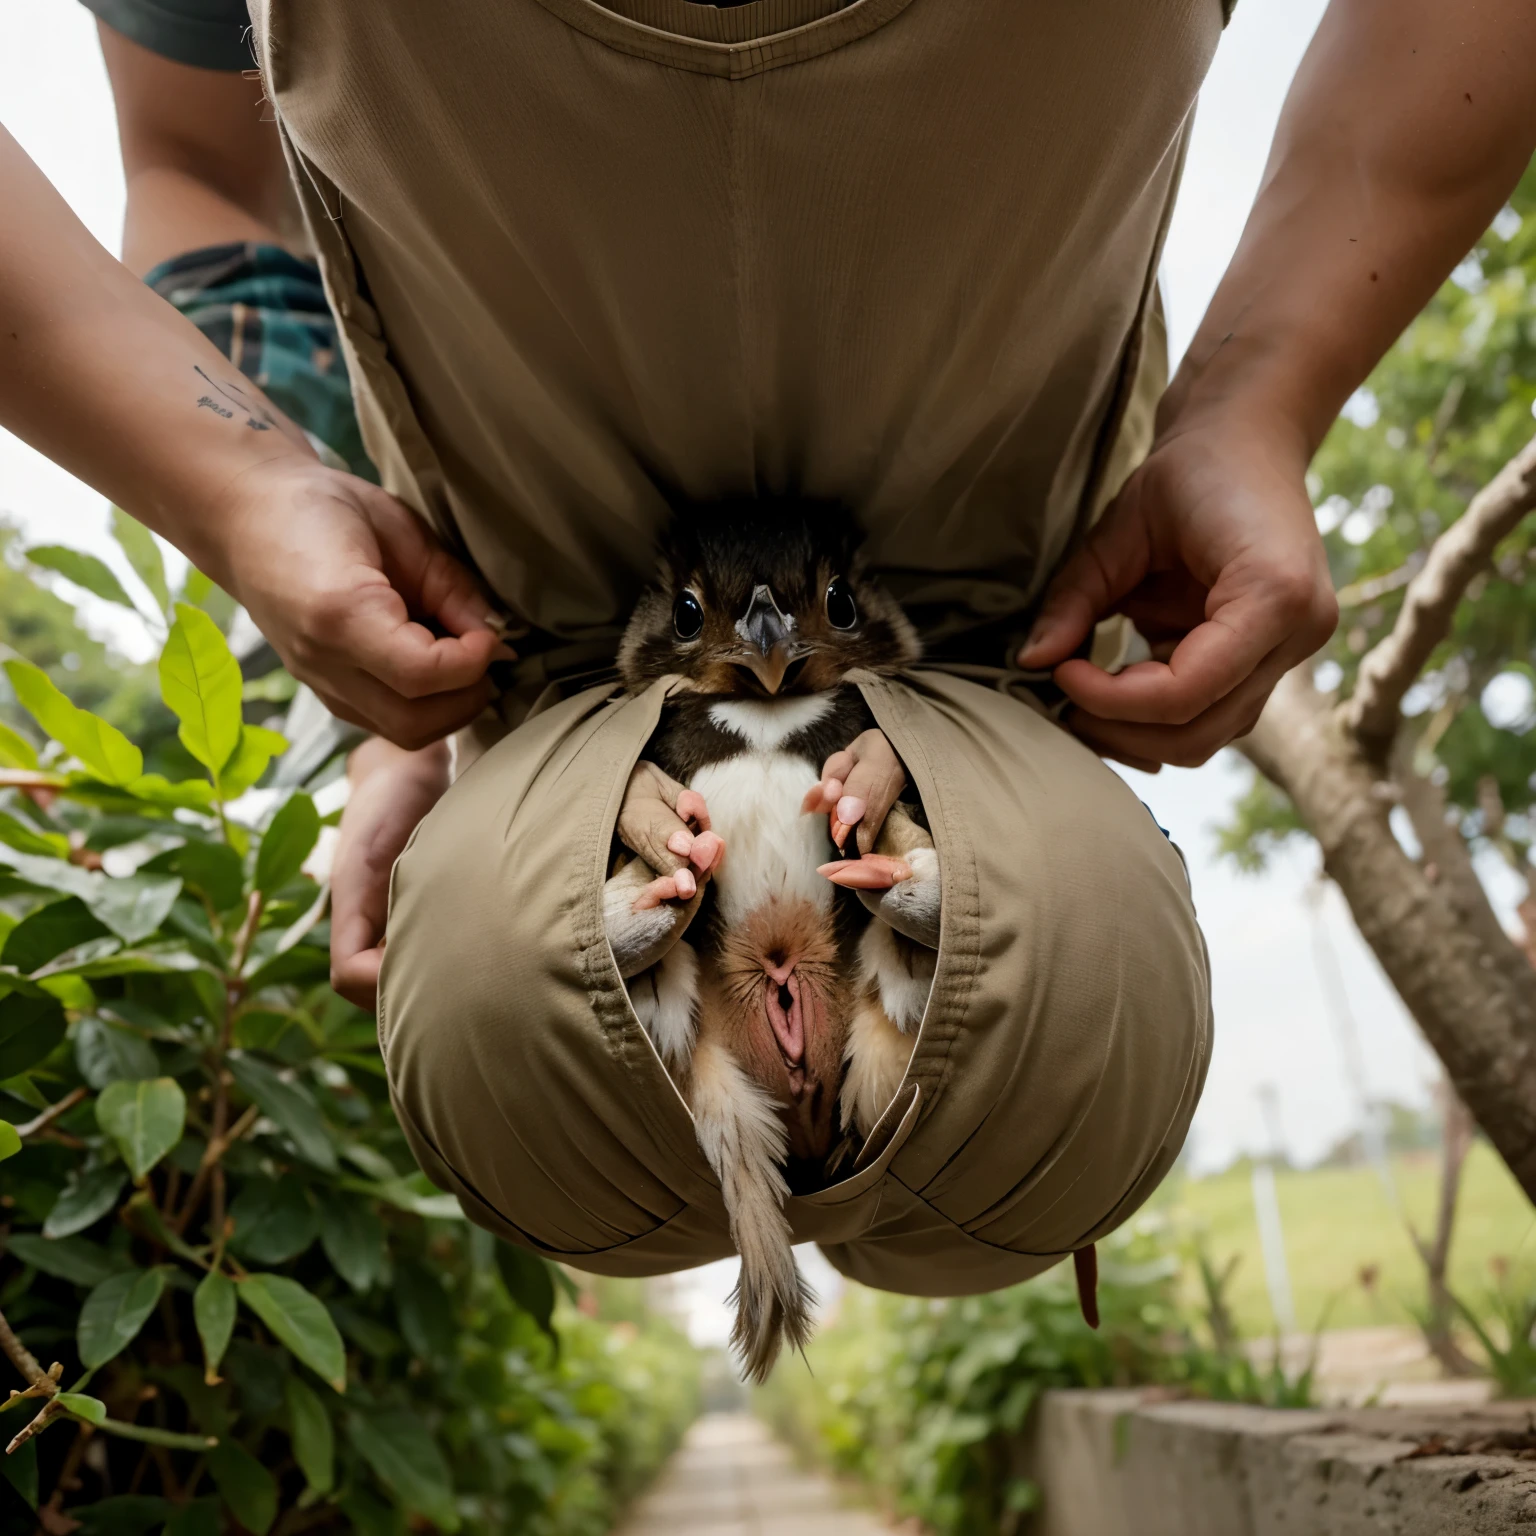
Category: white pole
[1266,1210]
[1266,1207]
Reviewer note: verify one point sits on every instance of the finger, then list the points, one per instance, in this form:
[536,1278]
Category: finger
[874,872]
[376,633]
[703,850]
[649,823]
[1190,744]
[707,851]
[846,814]
[1115,557]
[838,766]
[821,798]
[409,723]
[676,887]
[873,787]
[357,978]
[1273,617]
[690,806]
[433,582]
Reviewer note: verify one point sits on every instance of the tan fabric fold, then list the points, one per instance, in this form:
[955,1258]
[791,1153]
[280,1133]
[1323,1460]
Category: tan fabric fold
[1055,1071]
[899,254]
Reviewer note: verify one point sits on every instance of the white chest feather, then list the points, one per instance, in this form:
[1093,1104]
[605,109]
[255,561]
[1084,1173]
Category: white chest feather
[772,848]
[768,723]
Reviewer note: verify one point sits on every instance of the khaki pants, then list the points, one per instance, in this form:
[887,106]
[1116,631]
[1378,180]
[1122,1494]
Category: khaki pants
[1055,1072]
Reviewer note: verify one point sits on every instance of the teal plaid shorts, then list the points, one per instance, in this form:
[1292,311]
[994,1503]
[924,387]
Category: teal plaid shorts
[265,310]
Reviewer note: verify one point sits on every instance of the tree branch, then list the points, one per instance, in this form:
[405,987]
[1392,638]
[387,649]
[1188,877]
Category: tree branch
[40,1383]
[1429,604]
[52,1113]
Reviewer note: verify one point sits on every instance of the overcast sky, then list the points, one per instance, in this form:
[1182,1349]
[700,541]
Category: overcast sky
[1275,1022]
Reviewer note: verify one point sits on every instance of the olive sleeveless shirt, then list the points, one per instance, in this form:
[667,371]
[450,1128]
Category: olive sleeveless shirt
[896,252]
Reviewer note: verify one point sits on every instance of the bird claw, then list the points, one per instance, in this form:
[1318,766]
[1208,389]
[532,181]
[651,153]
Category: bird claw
[874,872]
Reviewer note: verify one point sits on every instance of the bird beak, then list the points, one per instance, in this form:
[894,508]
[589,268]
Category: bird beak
[768,634]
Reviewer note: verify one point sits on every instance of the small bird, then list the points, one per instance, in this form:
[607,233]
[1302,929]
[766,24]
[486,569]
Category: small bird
[773,904]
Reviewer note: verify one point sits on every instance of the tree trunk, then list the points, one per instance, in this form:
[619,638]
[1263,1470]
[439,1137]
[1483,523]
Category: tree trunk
[1469,988]
[1440,1312]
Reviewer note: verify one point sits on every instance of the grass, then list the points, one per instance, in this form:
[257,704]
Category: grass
[1338,1221]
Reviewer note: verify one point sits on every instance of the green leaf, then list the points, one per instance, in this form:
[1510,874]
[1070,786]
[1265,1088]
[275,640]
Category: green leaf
[200,683]
[82,569]
[406,1459]
[145,1119]
[104,750]
[30,1027]
[50,931]
[124,1514]
[274,1220]
[19,1469]
[91,1409]
[213,1309]
[107,1054]
[211,869]
[258,746]
[425,1313]
[274,687]
[114,1312]
[75,1259]
[133,907]
[138,544]
[84,1202]
[286,843]
[212,599]
[292,1107]
[16,751]
[24,839]
[71,991]
[199,1518]
[162,959]
[10,1144]
[529,1282]
[299,1322]
[353,1238]
[311,1436]
[303,964]
[156,789]
[247,1488]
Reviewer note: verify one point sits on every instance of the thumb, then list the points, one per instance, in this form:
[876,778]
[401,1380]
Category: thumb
[434,583]
[1113,559]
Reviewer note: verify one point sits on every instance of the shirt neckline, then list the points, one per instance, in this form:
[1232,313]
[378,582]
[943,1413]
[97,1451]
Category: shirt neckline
[734,43]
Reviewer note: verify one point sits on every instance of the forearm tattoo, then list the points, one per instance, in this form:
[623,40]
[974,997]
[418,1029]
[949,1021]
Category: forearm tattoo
[231,401]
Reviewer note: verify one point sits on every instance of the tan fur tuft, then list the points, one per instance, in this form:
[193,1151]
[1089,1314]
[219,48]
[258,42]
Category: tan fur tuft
[743,1139]
[878,1054]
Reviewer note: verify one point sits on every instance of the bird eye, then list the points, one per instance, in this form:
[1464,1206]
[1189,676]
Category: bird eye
[842,612]
[687,616]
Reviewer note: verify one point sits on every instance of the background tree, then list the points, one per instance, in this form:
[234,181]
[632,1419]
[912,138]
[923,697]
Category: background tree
[1408,748]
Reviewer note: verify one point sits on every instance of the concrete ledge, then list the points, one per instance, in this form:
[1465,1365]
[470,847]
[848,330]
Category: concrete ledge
[1125,1464]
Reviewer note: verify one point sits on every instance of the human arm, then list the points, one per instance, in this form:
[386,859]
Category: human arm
[1407,126]
[200,165]
[105,378]
[391,790]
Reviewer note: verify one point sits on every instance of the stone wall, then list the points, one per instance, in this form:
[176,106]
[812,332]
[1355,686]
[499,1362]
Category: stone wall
[1125,1464]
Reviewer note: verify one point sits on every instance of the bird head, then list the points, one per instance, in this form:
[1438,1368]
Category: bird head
[763,599]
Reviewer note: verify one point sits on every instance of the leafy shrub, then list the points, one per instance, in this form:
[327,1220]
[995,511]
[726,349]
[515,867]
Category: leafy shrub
[924,1401]
[265,1318]
[1505,1327]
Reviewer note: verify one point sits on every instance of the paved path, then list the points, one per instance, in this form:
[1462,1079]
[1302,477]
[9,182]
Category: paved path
[731,1478]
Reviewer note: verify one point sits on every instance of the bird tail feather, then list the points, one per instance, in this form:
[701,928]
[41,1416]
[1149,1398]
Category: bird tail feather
[745,1141]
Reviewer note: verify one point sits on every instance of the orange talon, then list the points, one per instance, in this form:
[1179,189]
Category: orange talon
[874,872]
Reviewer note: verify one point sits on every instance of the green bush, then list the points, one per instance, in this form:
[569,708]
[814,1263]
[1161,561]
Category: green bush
[924,1401]
[263,1315]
